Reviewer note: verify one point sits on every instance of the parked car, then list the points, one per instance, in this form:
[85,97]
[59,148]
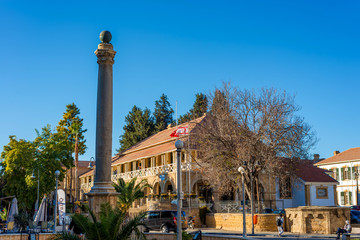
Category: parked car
[267,210]
[355,207]
[164,220]
[354,216]
[279,211]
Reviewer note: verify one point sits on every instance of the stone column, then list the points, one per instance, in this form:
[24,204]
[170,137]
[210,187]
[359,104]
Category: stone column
[103,191]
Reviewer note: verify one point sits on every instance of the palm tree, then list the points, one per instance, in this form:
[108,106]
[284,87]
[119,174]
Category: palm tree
[130,192]
[112,225]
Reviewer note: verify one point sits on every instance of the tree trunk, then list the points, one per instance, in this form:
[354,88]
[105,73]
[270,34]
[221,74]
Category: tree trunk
[71,181]
[76,168]
[258,194]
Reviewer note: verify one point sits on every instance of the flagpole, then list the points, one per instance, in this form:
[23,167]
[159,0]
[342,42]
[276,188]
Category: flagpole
[176,114]
[189,165]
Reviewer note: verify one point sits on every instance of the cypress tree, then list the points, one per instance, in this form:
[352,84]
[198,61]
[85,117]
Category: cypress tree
[163,113]
[139,125]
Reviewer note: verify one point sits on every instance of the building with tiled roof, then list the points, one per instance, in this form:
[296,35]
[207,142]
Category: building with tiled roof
[154,159]
[312,186]
[344,167]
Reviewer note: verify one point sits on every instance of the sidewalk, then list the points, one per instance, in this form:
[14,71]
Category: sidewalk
[274,235]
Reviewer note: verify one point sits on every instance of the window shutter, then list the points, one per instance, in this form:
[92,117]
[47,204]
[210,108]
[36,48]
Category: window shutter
[348,173]
[342,173]
[353,173]
[342,198]
[337,174]
[350,197]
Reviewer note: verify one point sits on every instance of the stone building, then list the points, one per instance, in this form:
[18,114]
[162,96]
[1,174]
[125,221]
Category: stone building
[154,158]
[311,187]
[69,189]
[344,167]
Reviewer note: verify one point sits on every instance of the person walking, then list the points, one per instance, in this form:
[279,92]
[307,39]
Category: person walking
[346,229]
[280,224]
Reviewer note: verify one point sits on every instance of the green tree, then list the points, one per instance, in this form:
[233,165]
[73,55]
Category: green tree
[70,127]
[138,125]
[112,225]
[21,159]
[129,192]
[163,113]
[199,108]
[17,164]
[70,133]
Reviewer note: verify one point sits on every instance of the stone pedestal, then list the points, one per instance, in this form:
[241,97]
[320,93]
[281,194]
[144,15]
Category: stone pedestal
[314,219]
[96,199]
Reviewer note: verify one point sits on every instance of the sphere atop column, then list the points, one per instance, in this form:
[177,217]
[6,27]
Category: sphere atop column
[105,36]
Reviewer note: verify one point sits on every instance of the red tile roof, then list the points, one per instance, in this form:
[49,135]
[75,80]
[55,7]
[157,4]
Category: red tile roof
[158,143]
[310,173]
[348,155]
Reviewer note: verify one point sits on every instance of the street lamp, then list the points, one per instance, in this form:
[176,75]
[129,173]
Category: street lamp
[38,187]
[179,145]
[57,173]
[91,166]
[357,187]
[242,172]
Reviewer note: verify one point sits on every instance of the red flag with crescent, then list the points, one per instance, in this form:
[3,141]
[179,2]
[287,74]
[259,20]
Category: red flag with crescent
[180,131]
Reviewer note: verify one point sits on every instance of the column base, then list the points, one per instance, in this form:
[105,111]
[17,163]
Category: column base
[100,193]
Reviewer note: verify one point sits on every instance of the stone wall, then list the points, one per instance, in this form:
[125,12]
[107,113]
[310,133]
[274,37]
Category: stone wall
[25,236]
[172,236]
[234,221]
[313,219]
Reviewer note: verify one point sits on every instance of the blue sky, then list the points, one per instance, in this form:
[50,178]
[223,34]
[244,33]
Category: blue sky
[180,48]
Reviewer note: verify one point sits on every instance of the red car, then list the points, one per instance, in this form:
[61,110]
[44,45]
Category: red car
[355,207]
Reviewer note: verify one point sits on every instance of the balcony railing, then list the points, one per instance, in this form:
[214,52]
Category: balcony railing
[141,173]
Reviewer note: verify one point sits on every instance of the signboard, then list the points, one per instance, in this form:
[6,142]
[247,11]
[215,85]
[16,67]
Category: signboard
[62,206]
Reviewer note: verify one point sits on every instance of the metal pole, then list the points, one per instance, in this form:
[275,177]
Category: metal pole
[252,202]
[56,202]
[179,145]
[38,187]
[357,188]
[243,204]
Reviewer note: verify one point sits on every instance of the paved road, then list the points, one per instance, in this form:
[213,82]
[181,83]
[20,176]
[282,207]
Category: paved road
[273,235]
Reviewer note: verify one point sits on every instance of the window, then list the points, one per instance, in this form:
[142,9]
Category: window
[346,173]
[333,173]
[346,198]
[321,192]
[354,170]
[154,214]
[285,188]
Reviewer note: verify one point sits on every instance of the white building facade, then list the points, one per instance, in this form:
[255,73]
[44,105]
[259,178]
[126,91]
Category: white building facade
[344,167]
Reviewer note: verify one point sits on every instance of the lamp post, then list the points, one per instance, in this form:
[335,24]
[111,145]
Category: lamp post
[91,166]
[179,145]
[57,173]
[38,188]
[357,187]
[242,172]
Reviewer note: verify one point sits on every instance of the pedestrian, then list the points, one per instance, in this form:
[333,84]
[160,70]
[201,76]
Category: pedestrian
[73,225]
[279,224]
[346,229]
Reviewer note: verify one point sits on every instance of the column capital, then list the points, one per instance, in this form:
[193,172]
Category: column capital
[105,53]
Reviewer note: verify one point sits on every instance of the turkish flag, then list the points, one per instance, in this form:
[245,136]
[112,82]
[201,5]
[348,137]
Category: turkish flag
[180,131]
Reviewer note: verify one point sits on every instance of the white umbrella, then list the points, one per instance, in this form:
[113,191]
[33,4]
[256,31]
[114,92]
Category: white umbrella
[41,213]
[13,210]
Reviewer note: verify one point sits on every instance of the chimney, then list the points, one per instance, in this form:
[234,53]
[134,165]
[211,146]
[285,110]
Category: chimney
[336,152]
[316,157]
